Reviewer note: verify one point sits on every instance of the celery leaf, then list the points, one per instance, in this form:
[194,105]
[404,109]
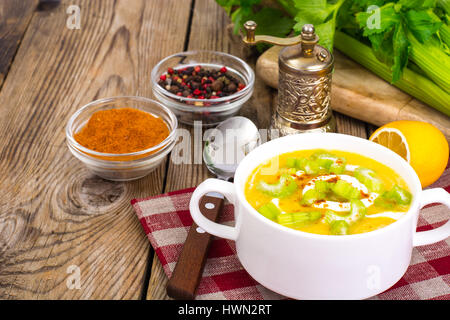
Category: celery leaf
[322,15]
[382,46]
[422,24]
[401,52]
[325,31]
[417,4]
[265,18]
[380,20]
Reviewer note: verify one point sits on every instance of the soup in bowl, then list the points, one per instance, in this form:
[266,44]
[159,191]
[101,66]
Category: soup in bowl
[328,192]
[306,223]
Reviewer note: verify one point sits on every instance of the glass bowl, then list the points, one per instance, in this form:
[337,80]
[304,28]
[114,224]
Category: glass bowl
[125,166]
[213,111]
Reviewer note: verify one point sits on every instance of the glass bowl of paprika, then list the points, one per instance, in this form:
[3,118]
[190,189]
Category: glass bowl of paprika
[122,138]
[206,87]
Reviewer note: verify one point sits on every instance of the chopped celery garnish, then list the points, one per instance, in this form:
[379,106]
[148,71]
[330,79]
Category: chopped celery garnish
[311,167]
[395,196]
[322,186]
[285,218]
[346,190]
[314,216]
[301,162]
[301,218]
[339,227]
[357,211]
[319,162]
[369,178]
[298,218]
[382,202]
[297,163]
[330,162]
[324,159]
[399,195]
[337,168]
[310,196]
[289,171]
[331,216]
[269,210]
[283,188]
[291,162]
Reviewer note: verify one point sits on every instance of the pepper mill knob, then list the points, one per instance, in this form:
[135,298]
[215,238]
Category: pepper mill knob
[309,39]
[308,32]
[250,27]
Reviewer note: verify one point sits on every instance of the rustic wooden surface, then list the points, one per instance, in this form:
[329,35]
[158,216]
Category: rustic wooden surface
[53,213]
[14,19]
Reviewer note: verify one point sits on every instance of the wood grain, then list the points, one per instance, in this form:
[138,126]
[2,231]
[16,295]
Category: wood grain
[14,19]
[351,126]
[53,212]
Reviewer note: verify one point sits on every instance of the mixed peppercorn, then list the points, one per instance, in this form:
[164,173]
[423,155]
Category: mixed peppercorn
[200,83]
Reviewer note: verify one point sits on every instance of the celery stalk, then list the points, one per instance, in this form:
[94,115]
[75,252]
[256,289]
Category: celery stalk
[432,60]
[283,188]
[269,210]
[285,219]
[416,85]
[339,228]
[444,31]
[444,4]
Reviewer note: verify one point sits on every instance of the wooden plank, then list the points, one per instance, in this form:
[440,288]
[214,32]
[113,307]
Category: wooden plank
[210,31]
[370,129]
[351,126]
[14,19]
[53,213]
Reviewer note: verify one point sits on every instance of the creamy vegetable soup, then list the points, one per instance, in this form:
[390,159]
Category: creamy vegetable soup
[328,192]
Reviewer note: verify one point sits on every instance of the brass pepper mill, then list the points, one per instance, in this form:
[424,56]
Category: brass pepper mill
[304,85]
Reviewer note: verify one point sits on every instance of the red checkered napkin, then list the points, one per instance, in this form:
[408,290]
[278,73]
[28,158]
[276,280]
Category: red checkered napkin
[166,221]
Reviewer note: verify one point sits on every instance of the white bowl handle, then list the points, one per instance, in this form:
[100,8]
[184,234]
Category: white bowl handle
[438,195]
[213,185]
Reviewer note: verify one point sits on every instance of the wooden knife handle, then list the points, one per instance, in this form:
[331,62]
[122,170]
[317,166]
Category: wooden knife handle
[189,268]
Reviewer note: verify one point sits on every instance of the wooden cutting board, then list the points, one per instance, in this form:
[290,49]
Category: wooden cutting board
[360,94]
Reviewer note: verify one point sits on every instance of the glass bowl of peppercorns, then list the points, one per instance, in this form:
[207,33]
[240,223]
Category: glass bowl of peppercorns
[203,87]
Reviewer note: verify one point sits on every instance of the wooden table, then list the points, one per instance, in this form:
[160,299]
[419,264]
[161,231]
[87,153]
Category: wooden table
[54,214]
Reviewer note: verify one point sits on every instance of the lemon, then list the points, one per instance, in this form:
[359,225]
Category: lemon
[420,143]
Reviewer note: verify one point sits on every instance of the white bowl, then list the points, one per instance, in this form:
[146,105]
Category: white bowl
[311,266]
